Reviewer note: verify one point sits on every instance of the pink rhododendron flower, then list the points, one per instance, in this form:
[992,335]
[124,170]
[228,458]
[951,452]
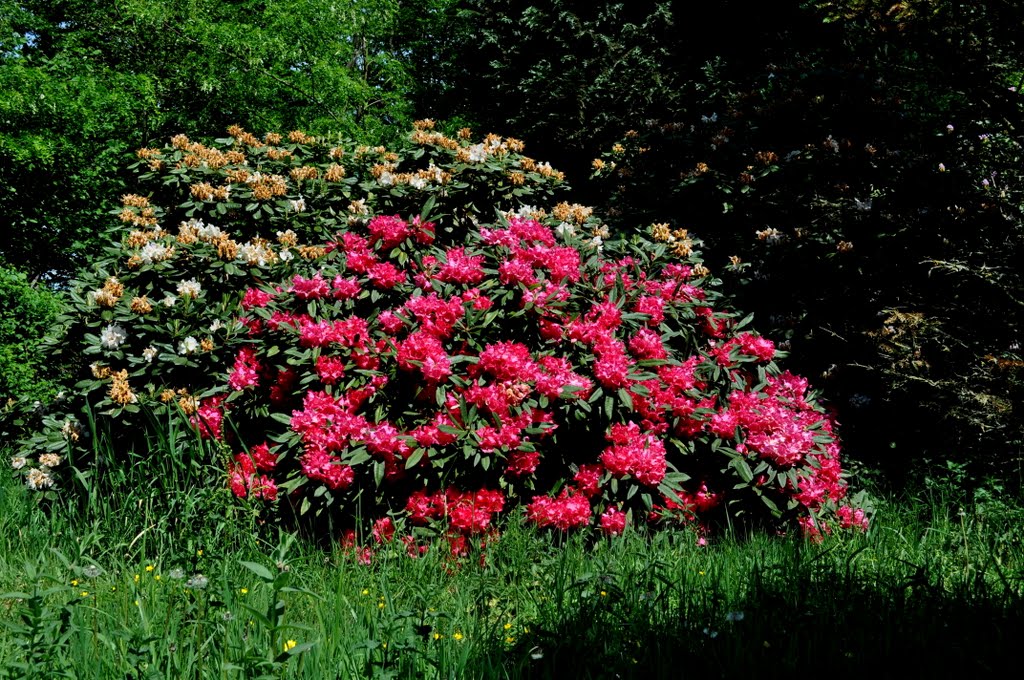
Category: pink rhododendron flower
[330,369]
[246,371]
[564,513]
[209,417]
[588,480]
[634,453]
[425,353]
[388,231]
[756,346]
[386,275]
[522,463]
[613,521]
[255,297]
[310,289]
[461,268]
[345,288]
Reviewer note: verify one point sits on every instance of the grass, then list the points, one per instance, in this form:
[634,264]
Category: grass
[171,577]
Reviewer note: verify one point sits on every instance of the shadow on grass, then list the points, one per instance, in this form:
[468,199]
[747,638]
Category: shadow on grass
[812,619]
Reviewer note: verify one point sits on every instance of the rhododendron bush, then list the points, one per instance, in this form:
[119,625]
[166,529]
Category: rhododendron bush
[428,338]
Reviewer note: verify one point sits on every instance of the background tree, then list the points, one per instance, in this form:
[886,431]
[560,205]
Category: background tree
[83,82]
[858,161]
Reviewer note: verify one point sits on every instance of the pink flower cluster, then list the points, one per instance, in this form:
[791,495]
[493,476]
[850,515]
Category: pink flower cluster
[467,512]
[634,453]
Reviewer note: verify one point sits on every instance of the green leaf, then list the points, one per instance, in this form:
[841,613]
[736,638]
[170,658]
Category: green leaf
[259,570]
[626,399]
[742,468]
[414,458]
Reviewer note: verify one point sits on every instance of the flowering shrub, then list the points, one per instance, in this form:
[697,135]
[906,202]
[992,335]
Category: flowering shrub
[419,344]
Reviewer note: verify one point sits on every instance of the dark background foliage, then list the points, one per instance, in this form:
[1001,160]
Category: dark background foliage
[891,271]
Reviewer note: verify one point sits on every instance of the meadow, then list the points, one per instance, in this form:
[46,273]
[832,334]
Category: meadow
[173,577]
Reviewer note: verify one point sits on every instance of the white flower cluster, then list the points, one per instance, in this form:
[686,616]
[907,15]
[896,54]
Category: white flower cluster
[188,346]
[112,336]
[256,254]
[477,153]
[206,232]
[190,288]
[154,252]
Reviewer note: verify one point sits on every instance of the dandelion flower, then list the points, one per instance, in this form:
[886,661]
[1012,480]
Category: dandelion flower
[197,582]
[291,644]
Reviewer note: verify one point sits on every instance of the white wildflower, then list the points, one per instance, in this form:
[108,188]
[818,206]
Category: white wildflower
[298,205]
[216,326]
[18,462]
[286,255]
[112,336]
[386,179]
[169,300]
[565,230]
[149,354]
[418,182]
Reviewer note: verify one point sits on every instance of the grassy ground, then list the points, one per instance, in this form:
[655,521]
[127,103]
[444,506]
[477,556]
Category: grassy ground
[169,578]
